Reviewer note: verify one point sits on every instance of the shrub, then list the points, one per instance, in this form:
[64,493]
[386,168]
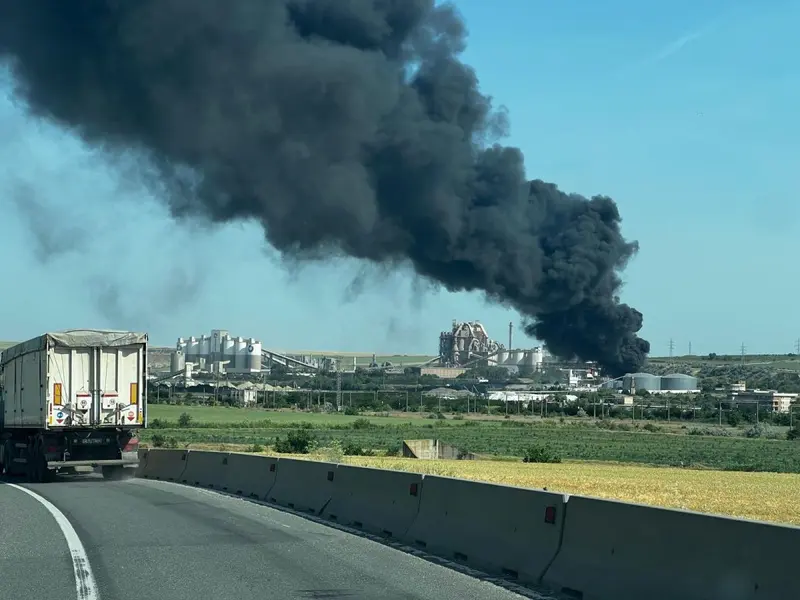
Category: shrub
[540,454]
[184,420]
[296,442]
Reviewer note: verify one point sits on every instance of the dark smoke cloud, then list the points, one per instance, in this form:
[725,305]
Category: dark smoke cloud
[343,127]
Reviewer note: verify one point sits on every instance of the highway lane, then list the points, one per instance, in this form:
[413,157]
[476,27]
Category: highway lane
[161,541]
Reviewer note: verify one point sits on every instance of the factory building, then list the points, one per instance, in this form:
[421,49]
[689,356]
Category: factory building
[218,350]
[467,344]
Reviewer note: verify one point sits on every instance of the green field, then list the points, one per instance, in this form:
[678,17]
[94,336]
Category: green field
[208,415]
[585,440]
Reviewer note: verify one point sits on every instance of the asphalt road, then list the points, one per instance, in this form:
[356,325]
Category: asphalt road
[155,540]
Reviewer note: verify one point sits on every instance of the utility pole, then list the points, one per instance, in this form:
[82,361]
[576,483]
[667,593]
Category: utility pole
[671,346]
[339,384]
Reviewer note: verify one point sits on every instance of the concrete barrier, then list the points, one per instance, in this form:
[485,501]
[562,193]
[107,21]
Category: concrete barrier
[303,484]
[165,465]
[142,455]
[375,500]
[494,528]
[205,469]
[250,475]
[620,551]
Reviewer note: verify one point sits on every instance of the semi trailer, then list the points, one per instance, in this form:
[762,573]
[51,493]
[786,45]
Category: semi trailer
[69,399]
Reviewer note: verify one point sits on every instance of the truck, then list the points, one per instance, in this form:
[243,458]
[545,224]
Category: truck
[69,399]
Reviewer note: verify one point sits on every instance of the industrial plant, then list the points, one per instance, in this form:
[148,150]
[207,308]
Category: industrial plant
[467,344]
[219,350]
[675,383]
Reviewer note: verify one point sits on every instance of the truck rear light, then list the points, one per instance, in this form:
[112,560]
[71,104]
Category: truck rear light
[57,394]
[52,449]
[132,445]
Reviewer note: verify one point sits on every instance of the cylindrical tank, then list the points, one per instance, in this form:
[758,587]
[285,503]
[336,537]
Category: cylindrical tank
[679,382]
[502,357]
[192,350]
[177,361]
[538,357]
[527,359]
[240,360]
[642,381]
[205,347]
[254,356]
[515,357]
[229,351]
[182,347]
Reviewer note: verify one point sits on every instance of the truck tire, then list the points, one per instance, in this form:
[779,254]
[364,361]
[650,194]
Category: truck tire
[113,473]
[37,464]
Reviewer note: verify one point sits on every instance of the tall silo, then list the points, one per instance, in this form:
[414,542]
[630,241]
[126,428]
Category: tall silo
[177,361]
[641,381]
[205,347]
[679,382]
[228,351]
[502,357]
[240,360]
[192,350]
[538,358]
[182,346]
[254,356]
[515,357]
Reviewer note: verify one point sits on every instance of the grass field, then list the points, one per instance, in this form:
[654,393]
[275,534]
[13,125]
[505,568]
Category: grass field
[584,440]
[227,415]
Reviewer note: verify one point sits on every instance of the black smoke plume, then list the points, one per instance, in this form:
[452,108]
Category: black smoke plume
[342,126]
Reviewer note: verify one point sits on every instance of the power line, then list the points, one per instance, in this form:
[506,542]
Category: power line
[671,346]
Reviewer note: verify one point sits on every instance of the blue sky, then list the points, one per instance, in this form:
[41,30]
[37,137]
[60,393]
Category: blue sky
[684,112]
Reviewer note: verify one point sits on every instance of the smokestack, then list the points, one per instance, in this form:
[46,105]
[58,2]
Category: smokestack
[343,128]
[510,330]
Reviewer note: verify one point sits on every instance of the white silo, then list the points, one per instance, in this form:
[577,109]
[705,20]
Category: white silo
[527,359]
[538,357]
[192,350]
[515,357]
[205,347]
[177,361]
[502,357]
[254,356]
[229,351]
[240,360]
[182,346]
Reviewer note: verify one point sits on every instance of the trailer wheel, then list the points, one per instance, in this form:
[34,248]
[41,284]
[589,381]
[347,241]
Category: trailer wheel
[113,473]
[37,464]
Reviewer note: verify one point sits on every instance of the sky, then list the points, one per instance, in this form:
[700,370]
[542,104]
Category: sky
[683,112]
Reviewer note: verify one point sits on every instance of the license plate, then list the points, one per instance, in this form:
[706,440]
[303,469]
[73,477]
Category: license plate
[91,441]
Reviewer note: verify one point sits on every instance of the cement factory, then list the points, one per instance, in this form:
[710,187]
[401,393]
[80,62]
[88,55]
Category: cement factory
[467,344]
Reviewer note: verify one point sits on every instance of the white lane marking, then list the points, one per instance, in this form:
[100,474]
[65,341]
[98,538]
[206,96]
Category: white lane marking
[85,585]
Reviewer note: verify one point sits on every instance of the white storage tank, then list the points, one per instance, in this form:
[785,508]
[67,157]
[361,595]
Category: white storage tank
[205,347]
[177,361]
[538,357]
[527,359]
[254,356]
[192,350]
[229,350]
[679,382]
[502,357]
[515,357]
[240,360]
[641,381]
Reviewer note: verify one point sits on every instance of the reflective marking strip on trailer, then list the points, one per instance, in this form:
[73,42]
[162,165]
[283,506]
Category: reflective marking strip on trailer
[85,584]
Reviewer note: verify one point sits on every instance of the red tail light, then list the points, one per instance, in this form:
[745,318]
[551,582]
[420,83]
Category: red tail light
[132,445]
